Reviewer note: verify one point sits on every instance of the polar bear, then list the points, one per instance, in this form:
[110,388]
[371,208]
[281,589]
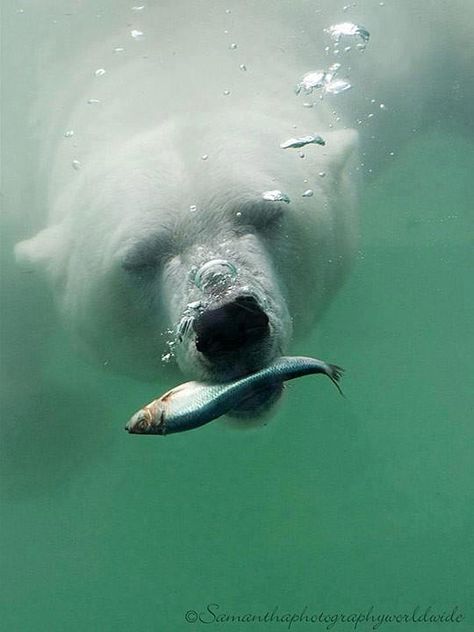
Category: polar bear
[177,223]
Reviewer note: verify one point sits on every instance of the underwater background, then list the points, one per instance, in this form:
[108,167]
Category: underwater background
[336,505]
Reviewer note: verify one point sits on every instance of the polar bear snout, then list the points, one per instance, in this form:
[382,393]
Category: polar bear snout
[232,327]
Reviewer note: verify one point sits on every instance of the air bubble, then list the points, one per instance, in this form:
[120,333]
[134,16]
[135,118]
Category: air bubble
[275,196]
[76,165]
[99,72]
[337,86]
[311,81]
[348,30]
[214,274]
[297,143]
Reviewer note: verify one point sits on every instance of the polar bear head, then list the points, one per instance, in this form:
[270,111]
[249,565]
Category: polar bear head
[151,244]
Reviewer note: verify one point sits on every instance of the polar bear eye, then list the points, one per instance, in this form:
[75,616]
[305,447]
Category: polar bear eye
[263,217]
[136,263]
[145,257]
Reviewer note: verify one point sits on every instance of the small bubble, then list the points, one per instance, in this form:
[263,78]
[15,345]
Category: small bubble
[226,32]
[99,72]
[307,104]
[93,101]
[382,106]
[138,8]
[370,115]
[233,46]
[226,93]
[381,4]
[306,180]
[243,67]
[68,133]
[137,35]
[392,153]
[372,100]
[119,49]
[321,174]
[166,357]
[228,11]
[204,157]
[301,154]
[347,49]
[20,11]
[76,165]
[308,193]
[193,208]
[238,214]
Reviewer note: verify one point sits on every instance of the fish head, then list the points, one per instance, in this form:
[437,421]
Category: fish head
[148,420]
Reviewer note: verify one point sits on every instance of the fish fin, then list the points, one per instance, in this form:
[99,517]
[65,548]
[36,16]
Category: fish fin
[334,374]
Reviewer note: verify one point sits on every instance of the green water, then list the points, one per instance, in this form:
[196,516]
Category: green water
[336,505]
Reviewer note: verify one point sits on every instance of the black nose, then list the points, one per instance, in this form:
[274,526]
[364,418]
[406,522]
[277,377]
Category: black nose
[231,326]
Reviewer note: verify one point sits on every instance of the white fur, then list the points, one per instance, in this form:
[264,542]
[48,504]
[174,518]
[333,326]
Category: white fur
[162,107]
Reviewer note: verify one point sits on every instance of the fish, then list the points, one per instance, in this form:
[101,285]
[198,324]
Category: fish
[194,404]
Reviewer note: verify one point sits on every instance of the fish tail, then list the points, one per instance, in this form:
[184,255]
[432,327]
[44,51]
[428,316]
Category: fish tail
[334,373]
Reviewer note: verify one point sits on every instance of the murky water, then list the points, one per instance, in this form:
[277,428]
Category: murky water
[335,506]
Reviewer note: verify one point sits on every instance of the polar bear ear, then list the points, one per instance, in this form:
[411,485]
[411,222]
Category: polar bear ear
[39,251]
[341,146]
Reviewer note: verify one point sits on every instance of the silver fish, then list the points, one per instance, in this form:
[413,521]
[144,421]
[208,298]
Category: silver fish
[194,404]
